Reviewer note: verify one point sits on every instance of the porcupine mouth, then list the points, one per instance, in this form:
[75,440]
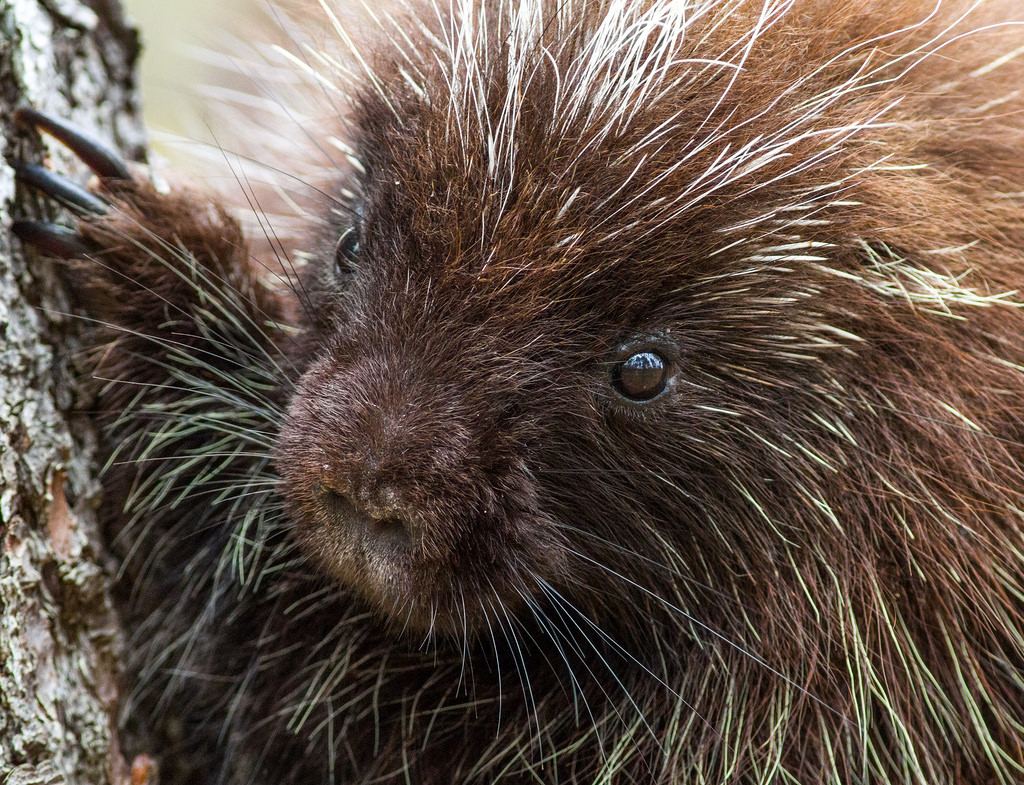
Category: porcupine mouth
[414,591]
[386,546]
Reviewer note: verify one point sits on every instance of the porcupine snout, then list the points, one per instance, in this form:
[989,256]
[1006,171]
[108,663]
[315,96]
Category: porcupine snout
[405,487]
[393,462]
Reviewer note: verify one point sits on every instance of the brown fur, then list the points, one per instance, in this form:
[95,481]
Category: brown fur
[801,563]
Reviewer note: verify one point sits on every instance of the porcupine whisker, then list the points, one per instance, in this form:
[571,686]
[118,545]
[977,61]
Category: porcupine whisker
[225,153]
[490,619]
[431,633]
[556,634]
[571,610]
[508,630]
[732,644]
[269,415]
[513,622]
[237,487]
[284,259]
[634,554]
[566,630]
[271,515]
[464,658]
[181,461]
[548,627]
[286,264]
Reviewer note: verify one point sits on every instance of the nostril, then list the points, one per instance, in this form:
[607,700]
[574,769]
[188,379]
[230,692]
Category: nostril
[333,499]
[354,516]
[393,529]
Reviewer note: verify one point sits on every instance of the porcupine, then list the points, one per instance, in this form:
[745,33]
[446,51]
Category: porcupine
[650,407]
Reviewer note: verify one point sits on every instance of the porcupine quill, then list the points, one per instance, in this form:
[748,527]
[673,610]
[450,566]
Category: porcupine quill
[649,408]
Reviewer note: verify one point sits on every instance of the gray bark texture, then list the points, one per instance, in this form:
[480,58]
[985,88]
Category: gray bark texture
[59,635]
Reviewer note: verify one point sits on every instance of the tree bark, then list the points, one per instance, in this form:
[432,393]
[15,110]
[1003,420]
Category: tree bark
[59,634]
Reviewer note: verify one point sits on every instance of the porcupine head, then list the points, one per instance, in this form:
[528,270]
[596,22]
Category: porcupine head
[629,306]
[677,333]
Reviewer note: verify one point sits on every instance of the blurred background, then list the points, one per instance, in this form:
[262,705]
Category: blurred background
[174,36]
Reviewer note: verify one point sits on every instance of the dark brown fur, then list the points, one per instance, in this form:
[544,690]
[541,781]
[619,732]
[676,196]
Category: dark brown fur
[801,563]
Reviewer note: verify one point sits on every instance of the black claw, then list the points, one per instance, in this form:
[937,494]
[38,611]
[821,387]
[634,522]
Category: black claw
[52,239]
[66,191]
[97,155]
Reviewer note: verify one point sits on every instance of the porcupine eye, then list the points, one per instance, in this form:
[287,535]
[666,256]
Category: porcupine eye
[346,251]
[641,376]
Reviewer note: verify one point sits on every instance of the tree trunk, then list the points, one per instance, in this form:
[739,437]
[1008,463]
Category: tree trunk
[59,635]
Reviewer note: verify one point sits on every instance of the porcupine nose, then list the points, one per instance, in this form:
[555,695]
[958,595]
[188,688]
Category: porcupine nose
[390,447]
[396,461]
[378,505]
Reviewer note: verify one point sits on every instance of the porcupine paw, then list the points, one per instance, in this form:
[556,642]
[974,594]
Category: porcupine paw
[140,244]
[50,238]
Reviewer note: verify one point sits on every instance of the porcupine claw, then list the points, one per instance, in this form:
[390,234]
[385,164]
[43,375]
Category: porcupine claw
[97,155]
[54,239]
[64,190]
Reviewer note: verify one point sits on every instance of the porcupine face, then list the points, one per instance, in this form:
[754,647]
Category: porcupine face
[519,361]
[442,408]
[498,375]
[573,322]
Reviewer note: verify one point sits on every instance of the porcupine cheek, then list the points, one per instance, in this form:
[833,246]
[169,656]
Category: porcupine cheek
[391,493]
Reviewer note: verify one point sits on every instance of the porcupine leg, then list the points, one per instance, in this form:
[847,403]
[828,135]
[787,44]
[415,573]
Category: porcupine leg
[186,337]
[149,268]
[145,247]
[182,319]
